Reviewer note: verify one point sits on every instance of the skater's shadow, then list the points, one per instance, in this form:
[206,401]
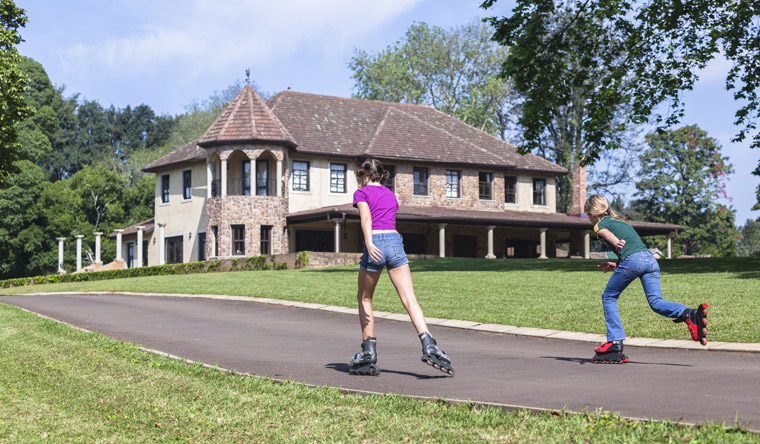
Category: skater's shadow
[588,361]
[344,368]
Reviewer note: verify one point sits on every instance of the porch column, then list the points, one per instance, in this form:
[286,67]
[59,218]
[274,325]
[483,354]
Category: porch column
[97,248]
[138,247]
[209,177]
[253,177]
[278,182]
[224,177]
[161,258]
[79,251]
[337,222]
[441,240]
[586,244]
[490,254]
[670,245]
[118,245]
[61,240]
[543,243]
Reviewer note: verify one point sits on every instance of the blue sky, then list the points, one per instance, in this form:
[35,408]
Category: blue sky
[168,53]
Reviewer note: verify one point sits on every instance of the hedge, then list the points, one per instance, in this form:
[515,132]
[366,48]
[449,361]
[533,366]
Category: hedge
[241,264]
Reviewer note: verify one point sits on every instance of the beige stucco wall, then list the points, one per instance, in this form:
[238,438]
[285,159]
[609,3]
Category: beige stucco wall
[319,194]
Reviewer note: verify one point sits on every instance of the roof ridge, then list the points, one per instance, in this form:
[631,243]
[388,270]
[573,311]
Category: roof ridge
[235,107]
[272,116]
[356,99]
[378,130]
[250,109]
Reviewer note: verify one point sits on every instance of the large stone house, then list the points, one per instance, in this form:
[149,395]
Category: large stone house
[278,176]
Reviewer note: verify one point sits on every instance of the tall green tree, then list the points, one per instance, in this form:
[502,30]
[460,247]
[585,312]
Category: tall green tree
[13,107]
[682,174]
[660,44]
[454,70]
[749,239]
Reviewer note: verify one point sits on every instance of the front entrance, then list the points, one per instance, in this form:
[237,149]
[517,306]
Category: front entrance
[464,246]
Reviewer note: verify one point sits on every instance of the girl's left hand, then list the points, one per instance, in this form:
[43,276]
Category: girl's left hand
[620,244]
[607,266]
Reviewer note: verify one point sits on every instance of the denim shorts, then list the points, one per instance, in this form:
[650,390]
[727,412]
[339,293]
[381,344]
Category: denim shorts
[392,247]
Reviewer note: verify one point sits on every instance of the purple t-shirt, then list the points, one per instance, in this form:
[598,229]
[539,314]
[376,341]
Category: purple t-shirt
[382,205]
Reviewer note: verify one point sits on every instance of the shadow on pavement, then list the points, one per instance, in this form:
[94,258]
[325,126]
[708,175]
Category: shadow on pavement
[343,368]
[588,361]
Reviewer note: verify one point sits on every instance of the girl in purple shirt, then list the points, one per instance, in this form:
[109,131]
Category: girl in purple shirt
[383,246]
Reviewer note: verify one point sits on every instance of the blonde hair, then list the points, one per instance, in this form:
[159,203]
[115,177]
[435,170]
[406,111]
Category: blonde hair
[598,206]
[372,169]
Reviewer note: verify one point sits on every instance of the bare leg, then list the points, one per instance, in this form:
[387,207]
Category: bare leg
[402,280]
[367,283]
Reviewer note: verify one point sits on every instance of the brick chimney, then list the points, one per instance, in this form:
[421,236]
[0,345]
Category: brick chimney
[579,188]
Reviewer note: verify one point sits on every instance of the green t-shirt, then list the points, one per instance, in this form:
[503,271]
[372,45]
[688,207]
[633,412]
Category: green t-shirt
[621,230]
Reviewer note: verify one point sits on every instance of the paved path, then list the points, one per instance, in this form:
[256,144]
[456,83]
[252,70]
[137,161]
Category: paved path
[313,346]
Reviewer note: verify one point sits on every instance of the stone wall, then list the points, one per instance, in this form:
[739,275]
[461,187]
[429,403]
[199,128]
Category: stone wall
[252,212]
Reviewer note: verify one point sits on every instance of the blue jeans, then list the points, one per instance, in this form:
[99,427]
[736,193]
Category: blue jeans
[640,265]
[392,247]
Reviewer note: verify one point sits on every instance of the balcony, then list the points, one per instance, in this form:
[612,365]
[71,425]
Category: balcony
[241,187]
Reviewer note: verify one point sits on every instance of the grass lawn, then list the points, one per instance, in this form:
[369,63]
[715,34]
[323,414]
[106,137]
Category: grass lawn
[556,293]
[58,384]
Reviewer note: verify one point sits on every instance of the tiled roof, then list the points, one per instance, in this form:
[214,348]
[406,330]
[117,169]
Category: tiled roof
[132,229]
[246,119]
[410,213]
[354,128]
[188,153]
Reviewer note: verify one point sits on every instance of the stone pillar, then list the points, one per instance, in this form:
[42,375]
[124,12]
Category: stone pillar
[138,247]
[224,177]
[441,240]
[586,244]
[118,245]
[253,177]
[209,177]
[670,245]
[161,255]
[490,254]
[79,251]
[337,222]
[278,183]
[97,248]
[543,243]
[61,240]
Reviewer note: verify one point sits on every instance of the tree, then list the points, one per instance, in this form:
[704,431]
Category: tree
[658,44]
[749,240]
[453,70]
[682,174]
[13,107]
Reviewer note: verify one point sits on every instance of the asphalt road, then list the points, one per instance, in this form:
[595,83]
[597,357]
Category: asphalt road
[313,346]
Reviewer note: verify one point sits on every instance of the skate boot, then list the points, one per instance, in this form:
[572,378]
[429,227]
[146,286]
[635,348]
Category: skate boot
[611,352]
[434,356]
[364,363]
[696,320]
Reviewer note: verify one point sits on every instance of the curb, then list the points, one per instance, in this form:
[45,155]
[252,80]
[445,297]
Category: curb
[744,347]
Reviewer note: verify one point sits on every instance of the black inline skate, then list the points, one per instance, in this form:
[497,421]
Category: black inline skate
[434,356]
[611,352]
[364,363]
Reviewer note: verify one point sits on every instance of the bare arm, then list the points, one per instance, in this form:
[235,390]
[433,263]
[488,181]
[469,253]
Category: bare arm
[608,236]
[366,223]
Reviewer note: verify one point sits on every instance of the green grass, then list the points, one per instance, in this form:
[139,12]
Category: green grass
[61,385]
[560,294]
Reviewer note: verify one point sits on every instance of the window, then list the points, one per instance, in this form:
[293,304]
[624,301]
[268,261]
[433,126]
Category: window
[130,255]
[201,246]
[420,181]
[145,253]
[390,181]
[238,240]
[165,188]
[337,177]
[264,186]
[266,239]
[174,250]
[452,183]
[246,178]
[187,184]
[484,186]
[539,191]
[215,234]
[300,175]
[510,189]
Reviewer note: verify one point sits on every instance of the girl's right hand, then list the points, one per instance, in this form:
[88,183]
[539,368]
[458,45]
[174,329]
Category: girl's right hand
[374,253]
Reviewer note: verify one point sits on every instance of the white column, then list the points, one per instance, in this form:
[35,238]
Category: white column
[61,240]
[543,243]
[441,240]
[161,256]
[490,254]
[118,245]
[97,248]
[670,245]
[337,222]
[79,251]
[209,177]
[224,177]
[586,244]
[138,247]
[253,177]
[278,182]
